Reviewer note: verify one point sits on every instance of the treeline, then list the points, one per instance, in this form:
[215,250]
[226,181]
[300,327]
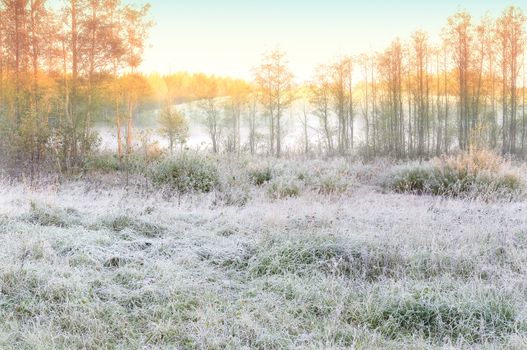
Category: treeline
[415,99]
[60,68]
[420,99]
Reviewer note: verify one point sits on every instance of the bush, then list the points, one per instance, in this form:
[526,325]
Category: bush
[473,162]
[410,179]
[234,185]
[109,163]
[298,256]
[329,183]
[284,188]
[104,162]
[188,172]
[233,191]
[260,176]
[479,176]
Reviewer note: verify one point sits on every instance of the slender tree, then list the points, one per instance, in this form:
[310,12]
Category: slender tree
[275,80]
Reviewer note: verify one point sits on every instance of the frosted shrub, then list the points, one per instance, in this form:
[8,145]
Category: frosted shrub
[322,177]
[330,180]
[296,255]
[284,188]
[473,162]
[103,162]
[331,184]
[413,179]
[187,172]
[261,175]
[475,175]
[108,163]
[234,184]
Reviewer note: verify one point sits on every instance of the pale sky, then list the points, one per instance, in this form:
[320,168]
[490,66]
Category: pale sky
[228,37]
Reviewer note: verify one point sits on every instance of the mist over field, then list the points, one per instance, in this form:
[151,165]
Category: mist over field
[198,136]
[376,199]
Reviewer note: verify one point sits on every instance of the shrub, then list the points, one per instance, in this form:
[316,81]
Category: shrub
[260,176]
[234,184]
[331,183]
[297,256]
[188,172]
[233,192]
[481,175]
[284,188]
[109,163]
[326,178]
[410,179]
[473,162]
[103,162]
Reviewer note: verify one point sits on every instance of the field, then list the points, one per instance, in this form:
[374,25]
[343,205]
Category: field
[289,254]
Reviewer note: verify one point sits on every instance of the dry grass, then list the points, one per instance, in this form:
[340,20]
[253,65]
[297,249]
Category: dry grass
[474,162]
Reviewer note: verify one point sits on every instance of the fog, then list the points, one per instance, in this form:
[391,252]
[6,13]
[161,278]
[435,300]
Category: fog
[292,130]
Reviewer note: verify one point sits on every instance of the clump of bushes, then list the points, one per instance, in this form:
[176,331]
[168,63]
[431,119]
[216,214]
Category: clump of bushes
[473,162]
[414,179]
[187,172]
[108,163]
[326,178]
[478,174]
[331,184]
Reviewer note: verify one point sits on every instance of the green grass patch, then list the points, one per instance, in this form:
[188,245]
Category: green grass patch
[439,315]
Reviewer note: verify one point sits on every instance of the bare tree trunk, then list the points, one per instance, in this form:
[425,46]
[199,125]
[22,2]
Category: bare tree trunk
[524,120]
[306,137]
[252,126]
[119,136]
[129,128]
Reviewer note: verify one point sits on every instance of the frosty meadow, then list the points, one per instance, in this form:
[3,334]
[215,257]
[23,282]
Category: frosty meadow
[379,204]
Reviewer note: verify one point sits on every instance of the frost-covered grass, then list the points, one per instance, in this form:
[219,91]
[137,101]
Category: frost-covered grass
[339,264]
